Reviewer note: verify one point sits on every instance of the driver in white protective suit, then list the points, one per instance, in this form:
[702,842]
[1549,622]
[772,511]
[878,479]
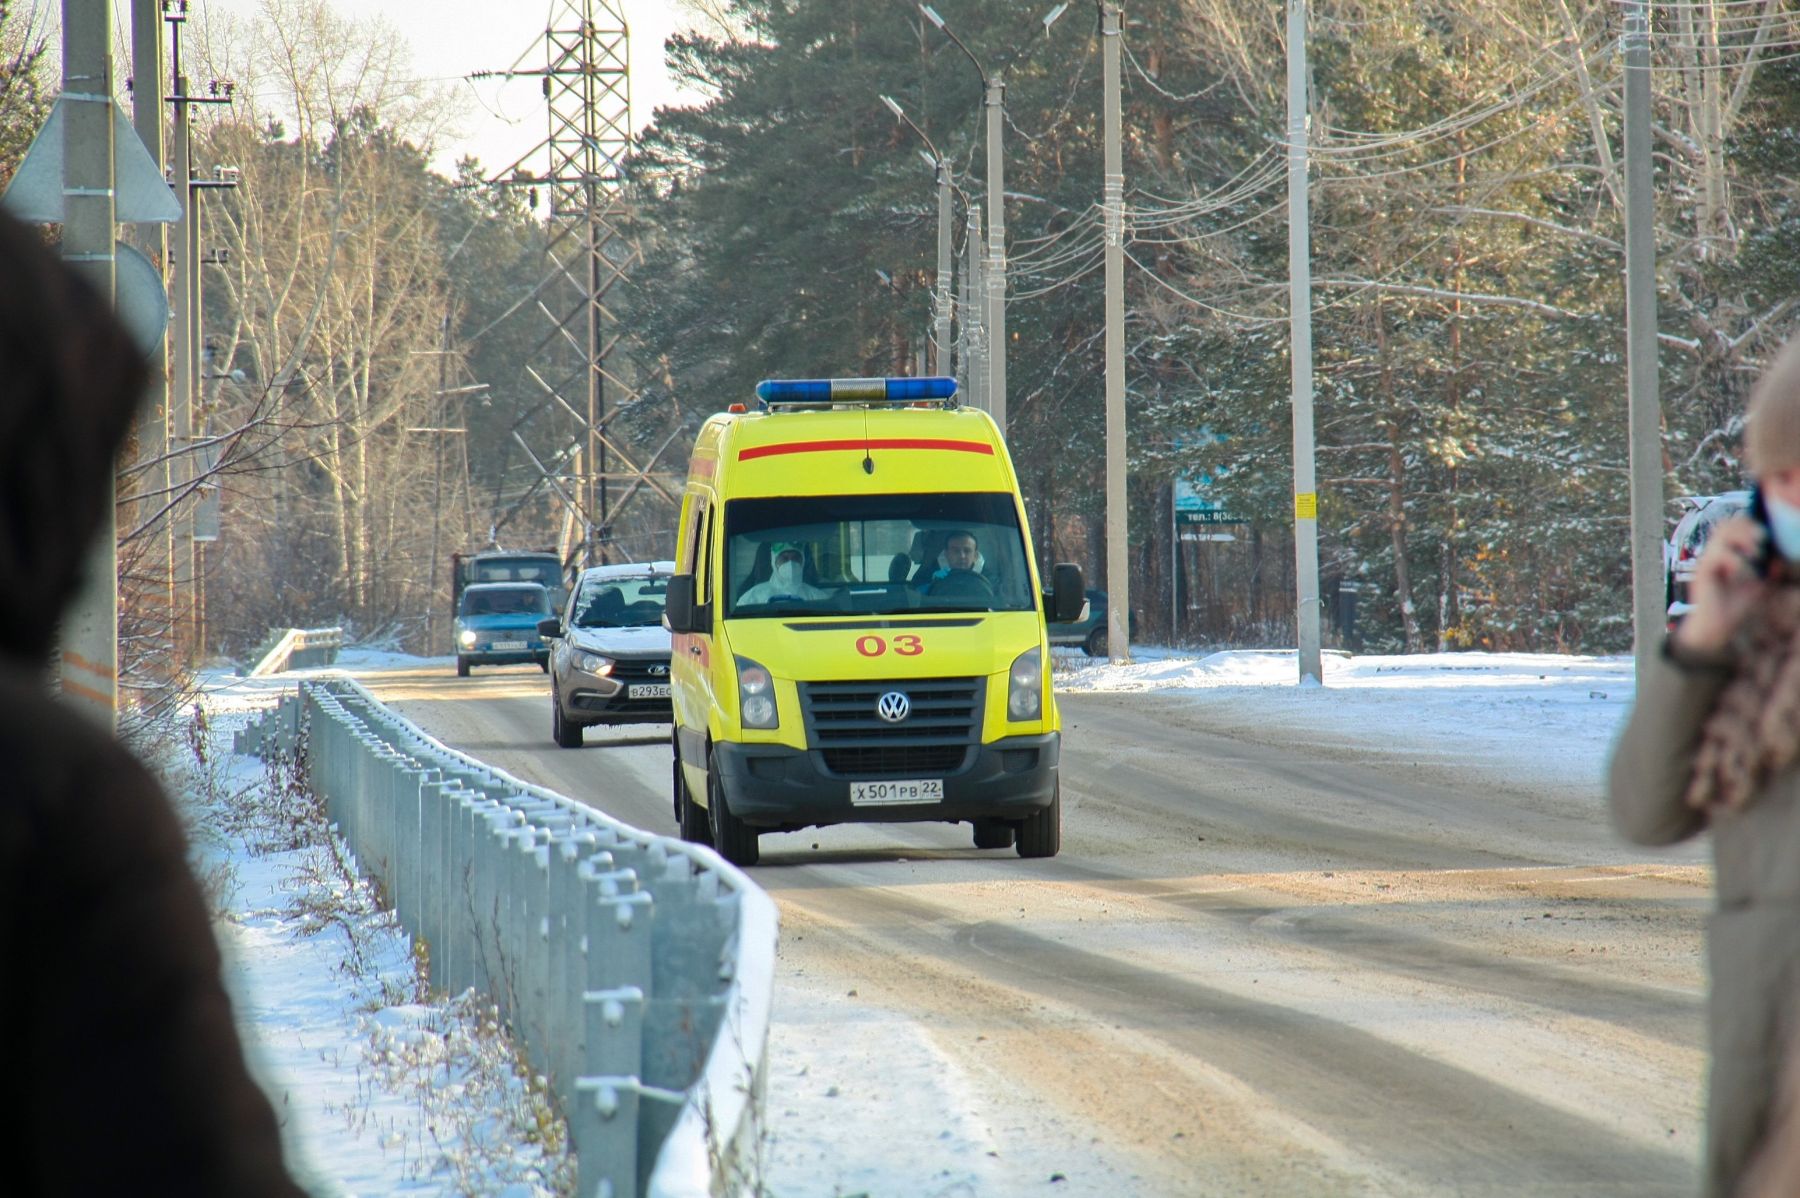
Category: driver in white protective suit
[786,577]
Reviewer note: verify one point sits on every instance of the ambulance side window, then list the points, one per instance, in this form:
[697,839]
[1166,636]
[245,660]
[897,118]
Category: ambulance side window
[693,551]
[699,551]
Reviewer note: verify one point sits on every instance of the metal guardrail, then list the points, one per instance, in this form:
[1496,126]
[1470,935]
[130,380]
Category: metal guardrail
[298,648]
[635,970]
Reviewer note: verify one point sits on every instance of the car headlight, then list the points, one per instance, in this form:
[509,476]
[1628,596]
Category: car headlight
[592,663]
[1025,691]
[466,637]
[756,695]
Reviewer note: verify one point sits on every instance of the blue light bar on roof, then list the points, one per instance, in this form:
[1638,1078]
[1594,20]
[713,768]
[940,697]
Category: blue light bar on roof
[855,390]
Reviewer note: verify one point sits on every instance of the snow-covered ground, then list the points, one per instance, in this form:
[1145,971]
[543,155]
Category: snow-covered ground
[1538,718]
[355,1059]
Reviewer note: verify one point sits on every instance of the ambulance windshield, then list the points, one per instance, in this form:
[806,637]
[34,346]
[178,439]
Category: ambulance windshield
[862,554]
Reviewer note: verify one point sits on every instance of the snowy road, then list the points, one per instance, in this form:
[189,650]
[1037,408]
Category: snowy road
[1262,964]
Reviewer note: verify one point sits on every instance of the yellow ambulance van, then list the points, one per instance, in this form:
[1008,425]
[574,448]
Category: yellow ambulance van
[858,623]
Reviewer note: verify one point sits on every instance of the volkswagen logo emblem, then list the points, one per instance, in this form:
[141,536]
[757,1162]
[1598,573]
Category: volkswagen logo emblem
[893,707]
[658,670]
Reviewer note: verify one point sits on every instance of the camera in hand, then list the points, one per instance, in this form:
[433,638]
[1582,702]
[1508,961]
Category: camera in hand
[1764,559]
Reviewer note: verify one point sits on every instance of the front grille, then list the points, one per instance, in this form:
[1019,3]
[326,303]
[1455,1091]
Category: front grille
[917,761]
[945,721]
[628,671]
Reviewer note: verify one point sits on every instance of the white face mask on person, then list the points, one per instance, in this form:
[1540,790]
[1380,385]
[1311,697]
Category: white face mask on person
[786,576]
[1784,526]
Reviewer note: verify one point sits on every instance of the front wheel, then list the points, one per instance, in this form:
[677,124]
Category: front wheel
[544,664]
[462,666]
[735,840]
[1040,834]
[567,735]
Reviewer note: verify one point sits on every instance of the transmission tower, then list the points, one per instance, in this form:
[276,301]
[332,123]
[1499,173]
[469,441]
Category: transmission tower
[589,257]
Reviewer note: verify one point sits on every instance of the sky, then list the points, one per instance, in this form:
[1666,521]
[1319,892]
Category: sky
[452,39]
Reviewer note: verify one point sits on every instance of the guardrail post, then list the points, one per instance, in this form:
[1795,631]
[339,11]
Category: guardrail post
[567,944]
[604,1133]
[517,867]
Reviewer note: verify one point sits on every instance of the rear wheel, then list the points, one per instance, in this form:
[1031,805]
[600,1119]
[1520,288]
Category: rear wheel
[1040,834]
[1095,643]
[566,734]
[462,666]
[735,840]
[993,834]
[694,828]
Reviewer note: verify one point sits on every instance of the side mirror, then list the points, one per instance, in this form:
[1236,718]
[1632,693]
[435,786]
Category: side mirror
[1068,591]
[550,629]
[679,611]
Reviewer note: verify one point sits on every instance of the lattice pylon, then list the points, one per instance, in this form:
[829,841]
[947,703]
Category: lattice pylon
[587,83]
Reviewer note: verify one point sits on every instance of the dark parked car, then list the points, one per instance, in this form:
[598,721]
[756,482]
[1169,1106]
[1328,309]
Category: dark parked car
[609,657]
[1090,631]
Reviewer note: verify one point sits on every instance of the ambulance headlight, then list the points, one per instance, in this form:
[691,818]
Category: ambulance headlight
[756,695]
[1025,690]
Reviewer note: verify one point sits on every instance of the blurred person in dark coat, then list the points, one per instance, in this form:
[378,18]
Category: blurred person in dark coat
[1713,744]
[126,1072]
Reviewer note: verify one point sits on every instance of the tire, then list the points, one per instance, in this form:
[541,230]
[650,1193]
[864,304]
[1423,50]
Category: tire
[694,826]
[544,664]
[1095,645]
[462,666]
[566,734]
[993,834]
[735,840]
[1040,834]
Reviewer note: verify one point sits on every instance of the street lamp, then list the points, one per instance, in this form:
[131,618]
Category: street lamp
[940,346]
[994,100]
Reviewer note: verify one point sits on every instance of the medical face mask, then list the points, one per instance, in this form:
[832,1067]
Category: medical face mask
[1784,526]
[786,575]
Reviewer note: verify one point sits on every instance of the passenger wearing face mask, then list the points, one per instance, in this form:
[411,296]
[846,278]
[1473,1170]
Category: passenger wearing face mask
[787,577]
[1713,744]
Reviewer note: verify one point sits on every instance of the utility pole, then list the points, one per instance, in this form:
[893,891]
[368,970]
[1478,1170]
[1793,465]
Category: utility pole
[1118,560]
[183,267]
[995,100]
[940,345]
[1643,405]
[940,350]
[153,423]
[437,474]
[89,658]
[973,323]
[1306,497]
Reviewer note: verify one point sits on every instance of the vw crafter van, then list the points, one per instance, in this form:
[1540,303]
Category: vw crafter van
[858,623]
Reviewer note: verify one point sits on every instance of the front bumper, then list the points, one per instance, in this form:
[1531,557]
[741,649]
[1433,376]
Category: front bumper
[774,786]
[599,700]
[482,655]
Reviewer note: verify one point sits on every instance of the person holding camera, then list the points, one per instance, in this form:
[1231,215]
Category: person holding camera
[1713,744]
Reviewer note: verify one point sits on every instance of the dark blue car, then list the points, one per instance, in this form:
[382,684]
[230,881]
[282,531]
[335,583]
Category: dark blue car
[497,625]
